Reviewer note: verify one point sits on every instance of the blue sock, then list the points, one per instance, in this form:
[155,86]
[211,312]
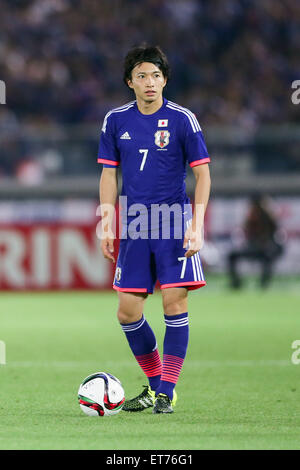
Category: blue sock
[175,347]
[142,342]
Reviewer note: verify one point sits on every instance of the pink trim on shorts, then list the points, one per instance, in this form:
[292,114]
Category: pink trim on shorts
[129,289]
[190,285]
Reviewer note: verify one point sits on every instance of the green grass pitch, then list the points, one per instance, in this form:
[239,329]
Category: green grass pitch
[238,390]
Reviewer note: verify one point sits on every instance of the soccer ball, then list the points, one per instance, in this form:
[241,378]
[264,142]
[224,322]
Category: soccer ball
[101,394]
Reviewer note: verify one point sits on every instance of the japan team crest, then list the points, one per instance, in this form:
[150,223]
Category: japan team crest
[162,138]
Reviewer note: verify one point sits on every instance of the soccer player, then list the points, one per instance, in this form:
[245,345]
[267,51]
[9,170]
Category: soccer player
[152,139]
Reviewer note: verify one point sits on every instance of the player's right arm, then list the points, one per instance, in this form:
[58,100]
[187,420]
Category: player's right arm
[108,155]
[108,190]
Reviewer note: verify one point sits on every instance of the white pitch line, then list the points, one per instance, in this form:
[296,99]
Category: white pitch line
[247,363]
[189,363]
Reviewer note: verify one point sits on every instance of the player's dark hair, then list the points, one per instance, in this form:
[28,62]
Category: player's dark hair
[145,53]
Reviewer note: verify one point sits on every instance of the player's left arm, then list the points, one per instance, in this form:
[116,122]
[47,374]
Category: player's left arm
[193,238]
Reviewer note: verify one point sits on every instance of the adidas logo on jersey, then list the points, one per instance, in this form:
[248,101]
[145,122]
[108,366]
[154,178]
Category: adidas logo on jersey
[125,136]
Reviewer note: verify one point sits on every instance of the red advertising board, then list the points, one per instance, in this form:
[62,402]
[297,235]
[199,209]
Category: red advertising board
[52,256]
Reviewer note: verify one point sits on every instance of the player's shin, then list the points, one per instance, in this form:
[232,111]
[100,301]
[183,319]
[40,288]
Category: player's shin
[143,344]
[175,347]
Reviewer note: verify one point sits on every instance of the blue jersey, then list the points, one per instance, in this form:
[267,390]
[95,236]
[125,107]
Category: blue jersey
[153,151]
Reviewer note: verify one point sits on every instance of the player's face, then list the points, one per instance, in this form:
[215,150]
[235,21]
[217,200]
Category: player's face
[147,81]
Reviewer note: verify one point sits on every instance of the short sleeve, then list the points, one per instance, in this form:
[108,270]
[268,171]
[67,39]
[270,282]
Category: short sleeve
[194,143]
[108,153]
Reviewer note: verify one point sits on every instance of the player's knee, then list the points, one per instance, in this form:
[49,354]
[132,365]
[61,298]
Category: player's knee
[175,306]
[130,307]
[126,315]
[123,317]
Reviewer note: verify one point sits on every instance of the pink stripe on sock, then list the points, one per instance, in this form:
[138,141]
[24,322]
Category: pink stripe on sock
[150,363]
[171,368]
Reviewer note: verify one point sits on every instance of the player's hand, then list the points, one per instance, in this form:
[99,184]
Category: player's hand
[107,247]
[192,242]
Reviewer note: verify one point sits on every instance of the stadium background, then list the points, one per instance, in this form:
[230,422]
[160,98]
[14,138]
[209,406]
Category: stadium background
[233,64]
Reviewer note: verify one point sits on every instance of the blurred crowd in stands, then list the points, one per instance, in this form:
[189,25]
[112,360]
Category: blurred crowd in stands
[232,61]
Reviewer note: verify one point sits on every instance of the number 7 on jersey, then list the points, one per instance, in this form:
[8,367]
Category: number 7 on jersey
[145,153]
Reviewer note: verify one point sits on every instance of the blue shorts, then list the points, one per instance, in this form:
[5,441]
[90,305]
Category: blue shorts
[143,261]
